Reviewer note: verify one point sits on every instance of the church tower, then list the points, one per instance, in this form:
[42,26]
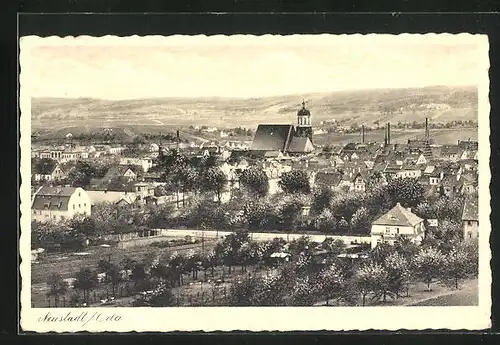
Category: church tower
[304,128]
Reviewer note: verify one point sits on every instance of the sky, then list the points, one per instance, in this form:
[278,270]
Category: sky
[245,66]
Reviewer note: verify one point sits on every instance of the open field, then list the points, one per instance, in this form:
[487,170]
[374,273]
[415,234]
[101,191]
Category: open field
[440,136]
[68,264]
[439,103]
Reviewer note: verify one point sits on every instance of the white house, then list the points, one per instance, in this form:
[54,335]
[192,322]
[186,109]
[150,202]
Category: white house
[59,203]
[146,162]
[55,174]
[398,221]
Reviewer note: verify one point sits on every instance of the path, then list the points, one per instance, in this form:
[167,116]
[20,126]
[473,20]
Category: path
[468,295]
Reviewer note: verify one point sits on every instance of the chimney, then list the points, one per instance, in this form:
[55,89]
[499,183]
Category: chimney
[363,134]
[389,133]
[385,136]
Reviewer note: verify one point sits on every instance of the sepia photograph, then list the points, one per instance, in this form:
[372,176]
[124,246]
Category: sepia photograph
[342,174]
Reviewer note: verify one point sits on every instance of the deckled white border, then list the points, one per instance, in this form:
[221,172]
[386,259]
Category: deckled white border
[259,318]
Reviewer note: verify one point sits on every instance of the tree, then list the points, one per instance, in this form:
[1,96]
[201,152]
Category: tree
[325,221]
[177,263]
[334,247]
[260,215]
[57,287]
[113,276]
[321,199]
[429,265]
[44,165]
[255,180]
[302,293]
[209,262]
[289,212]
[83,225]
[139,276]
[343,225]
[82,174]
[381,252]
[360,221]
[425,211]
[409,192]
[185,177]
[213,180]
[86,281]
[331,282]
[295,181]
[470,247]
[449,209]
[244,292]
[371,278]
[456,266]
[397,272]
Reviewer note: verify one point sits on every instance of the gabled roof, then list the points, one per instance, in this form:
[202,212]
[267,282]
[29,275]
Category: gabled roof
[119,170]
[300,145]
[470,211]
[330,179]
[272,137]
[447,150]
[398,216]
[52,198]
[56,191]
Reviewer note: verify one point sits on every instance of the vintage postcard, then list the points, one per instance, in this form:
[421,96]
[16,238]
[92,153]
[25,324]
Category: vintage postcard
[255,183]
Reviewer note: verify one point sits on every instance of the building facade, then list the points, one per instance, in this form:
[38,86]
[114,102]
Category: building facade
[60,203]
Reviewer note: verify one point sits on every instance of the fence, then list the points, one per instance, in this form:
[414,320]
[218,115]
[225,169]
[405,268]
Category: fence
[264,236]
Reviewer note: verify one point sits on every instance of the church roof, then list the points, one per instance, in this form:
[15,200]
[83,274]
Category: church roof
[303,111]
[272,137]
[300,144]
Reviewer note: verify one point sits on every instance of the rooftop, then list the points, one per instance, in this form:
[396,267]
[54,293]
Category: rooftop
[398,216]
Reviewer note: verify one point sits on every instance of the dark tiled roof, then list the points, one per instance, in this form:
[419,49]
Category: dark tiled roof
[471,210]
[449,150]
[52,198]
[398,216]
[330,179]
[300,144]
[272,137]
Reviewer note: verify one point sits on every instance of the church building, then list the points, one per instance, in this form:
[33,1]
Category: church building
[292,139]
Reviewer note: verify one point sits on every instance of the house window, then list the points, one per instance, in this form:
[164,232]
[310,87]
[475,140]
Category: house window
[79,205]
[387,230]
[54,217]
[397,230]
[469,234]
[79,194]
[34,211]
[469,223]
[84,204]
[74,206]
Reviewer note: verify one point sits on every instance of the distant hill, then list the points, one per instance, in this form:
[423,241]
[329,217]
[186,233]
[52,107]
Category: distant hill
[439,103]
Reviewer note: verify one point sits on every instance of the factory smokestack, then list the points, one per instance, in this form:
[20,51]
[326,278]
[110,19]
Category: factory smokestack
[385,135]
[389,133]
[363,134]
[427,128]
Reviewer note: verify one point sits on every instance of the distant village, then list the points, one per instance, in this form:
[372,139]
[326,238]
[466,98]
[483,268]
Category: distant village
[280,187]
[132,177]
